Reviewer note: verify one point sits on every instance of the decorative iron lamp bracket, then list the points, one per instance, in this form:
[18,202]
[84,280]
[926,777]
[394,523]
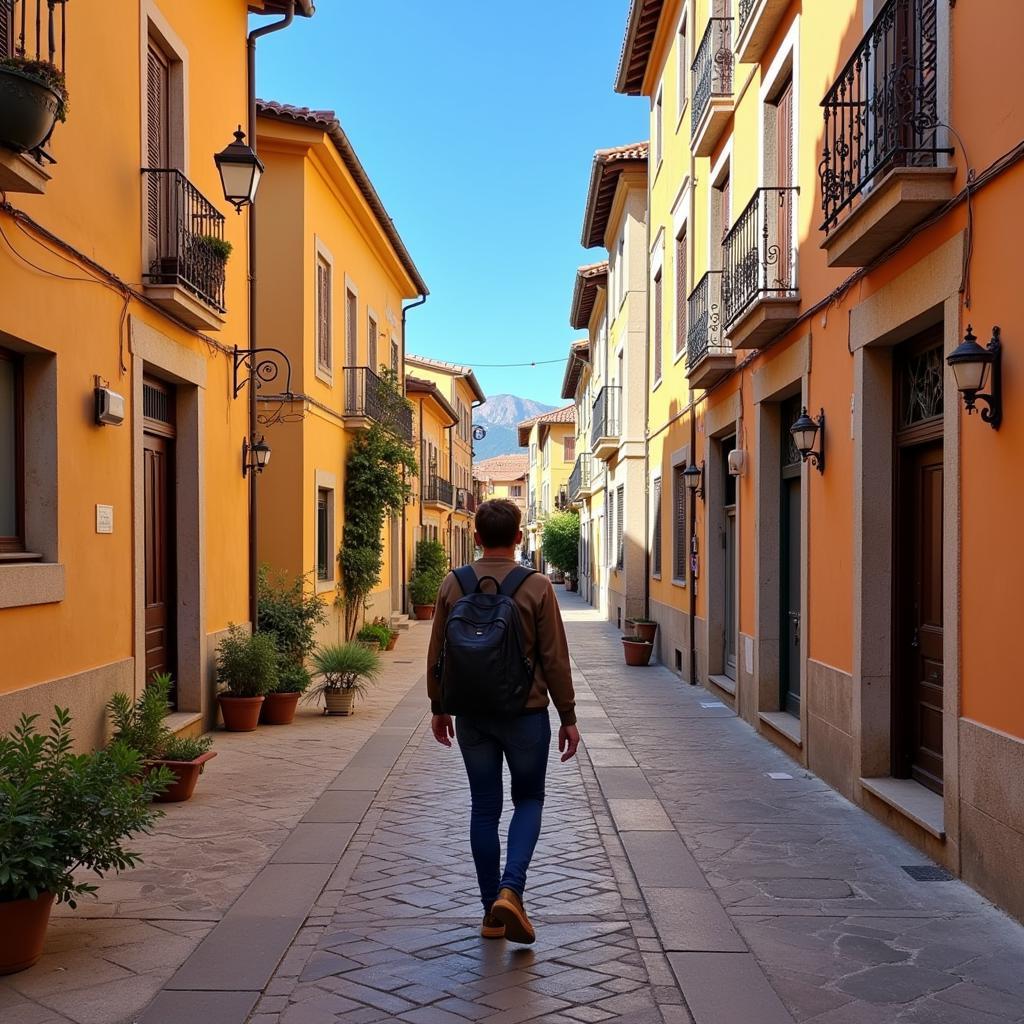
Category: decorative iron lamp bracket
[990,359]
[262,365]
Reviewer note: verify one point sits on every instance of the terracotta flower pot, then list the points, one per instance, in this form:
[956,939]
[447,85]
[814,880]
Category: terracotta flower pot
[23,932]
[279,708]
[339,702]
[241,714]
[638,652]
[390,646]
[424,611]
[628,627]
[646,630]
[186,774]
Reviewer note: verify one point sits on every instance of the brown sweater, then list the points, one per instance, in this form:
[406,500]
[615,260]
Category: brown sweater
[543,634]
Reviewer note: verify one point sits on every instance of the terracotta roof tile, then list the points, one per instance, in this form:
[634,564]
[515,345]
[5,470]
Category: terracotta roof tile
[327,121]
[455,368]
[502,467]
[604,177]
[584,293]
[641,28]
[579,357]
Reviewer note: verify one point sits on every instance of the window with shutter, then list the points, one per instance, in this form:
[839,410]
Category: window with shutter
[656,538]
[657,326]
[351,350]
[678,524]
[157,146]
[620,537]
[569,454]
[371,343]
[324,356]
[609,533]
[683,69]
[681,293]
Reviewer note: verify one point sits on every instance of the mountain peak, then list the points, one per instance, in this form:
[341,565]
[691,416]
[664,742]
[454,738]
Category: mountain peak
[499,416]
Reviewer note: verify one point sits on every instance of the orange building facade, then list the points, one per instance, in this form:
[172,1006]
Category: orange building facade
[834,194]
[124,510]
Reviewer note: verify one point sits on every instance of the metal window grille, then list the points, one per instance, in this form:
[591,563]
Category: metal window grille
[656,538]
[679,523]
[620,536]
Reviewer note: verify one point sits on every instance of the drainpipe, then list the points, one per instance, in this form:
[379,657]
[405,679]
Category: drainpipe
[647,450]
[251,40]
[405,553]
[693,535]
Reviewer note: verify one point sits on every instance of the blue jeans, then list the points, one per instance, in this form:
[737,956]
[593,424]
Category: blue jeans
[523,742]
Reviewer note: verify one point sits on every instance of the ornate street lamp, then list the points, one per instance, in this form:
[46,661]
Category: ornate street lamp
[255,456]
[970,365]
[805,432]
[240,171]
[693,479]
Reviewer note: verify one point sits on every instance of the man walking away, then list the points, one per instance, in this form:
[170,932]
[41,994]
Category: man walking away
[497,651]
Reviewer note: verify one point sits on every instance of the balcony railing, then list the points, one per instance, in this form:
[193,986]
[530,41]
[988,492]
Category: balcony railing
[532,513]
[882,110]
[368,396]
[579,478]
[186,233]
[607,414]
[712,68]
[704,334]
[759,253]
[746,9]
[438,490]
[465,500]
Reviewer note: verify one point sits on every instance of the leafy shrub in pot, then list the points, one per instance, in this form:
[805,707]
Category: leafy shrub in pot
[429,571]
[248,668]
[378,634]
[61,812]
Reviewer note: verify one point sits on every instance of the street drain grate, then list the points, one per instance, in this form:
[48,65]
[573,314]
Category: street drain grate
[927,873]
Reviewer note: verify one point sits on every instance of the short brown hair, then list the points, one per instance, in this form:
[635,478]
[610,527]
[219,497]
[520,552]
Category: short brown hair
[497,522]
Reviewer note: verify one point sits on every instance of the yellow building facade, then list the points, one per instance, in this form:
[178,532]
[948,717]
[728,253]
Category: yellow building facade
[459,386]
[502,476]
[125,544]
[341,274]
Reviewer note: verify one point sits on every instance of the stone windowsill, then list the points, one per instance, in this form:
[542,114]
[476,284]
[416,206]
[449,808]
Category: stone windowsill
[723,682]
[783,722]
[29,583]
[912,800]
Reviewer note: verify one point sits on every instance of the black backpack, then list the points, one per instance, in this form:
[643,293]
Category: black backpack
[484,668]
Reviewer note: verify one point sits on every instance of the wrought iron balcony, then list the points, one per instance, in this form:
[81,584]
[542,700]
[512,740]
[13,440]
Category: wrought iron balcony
[881,115]
[438,491]
[606,422]
[186,237]
[369,398]
[711,85]
[579,478]
[465,500]
[709,356]
[755,27]
[759,288]
[745,11]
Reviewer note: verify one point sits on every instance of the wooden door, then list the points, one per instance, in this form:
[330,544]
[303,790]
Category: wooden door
[158,483]
[919,684]
[784,201]
[730,617]
[790,574]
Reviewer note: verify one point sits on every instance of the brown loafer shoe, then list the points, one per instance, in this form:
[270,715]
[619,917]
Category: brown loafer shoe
[508,908]
[492,928]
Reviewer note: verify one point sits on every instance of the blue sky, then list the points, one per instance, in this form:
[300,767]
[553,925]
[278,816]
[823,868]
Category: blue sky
[477,122]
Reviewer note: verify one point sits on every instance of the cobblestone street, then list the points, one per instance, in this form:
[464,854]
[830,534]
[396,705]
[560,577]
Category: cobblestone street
[676,881]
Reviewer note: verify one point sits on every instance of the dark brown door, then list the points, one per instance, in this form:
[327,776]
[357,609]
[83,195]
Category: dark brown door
[784,200]
[919,691]
[789,576]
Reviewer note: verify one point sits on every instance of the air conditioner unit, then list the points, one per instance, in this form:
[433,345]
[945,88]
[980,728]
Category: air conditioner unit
[109,407]
[737,462]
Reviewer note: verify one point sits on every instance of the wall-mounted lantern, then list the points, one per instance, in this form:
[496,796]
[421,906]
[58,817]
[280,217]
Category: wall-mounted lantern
[972,366]
[806,434]
[240,171]
[255,456]
[693,478]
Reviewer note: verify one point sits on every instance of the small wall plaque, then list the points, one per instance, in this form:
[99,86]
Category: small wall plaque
[104,518]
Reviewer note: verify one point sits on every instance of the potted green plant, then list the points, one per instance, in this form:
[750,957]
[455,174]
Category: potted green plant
[345,670]
[392,633]
[637,650]
[247,670]
[560,546]
[290,611]
[376,634]
[645,628]
[33,97]
[428,573]
[140,725]
[62,812]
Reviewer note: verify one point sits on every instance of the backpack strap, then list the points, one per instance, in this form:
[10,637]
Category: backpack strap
[514,580]
[466,576]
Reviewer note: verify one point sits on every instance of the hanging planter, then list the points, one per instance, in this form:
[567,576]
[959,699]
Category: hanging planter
[637,651]
[32,100]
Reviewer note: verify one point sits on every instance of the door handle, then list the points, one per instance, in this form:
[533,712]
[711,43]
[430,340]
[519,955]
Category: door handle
[795,616]
[915,640]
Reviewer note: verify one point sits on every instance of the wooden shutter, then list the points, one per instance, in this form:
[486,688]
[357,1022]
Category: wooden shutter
[681,295]
[6,29]
[620,538]
[679,523]
[157,147]
[570,449]
[784,148]
[657,326]
[323,314]
[656,538]
[371,344]
[609,533]
[352,330]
